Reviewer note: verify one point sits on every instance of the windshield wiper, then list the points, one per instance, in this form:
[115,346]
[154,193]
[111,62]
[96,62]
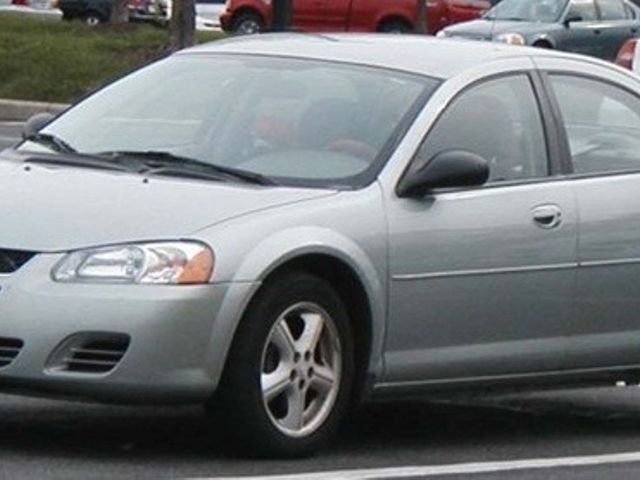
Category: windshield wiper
[50,140]
[167,163]
[87,161]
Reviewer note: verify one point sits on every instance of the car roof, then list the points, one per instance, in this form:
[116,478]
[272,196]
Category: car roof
[435,57]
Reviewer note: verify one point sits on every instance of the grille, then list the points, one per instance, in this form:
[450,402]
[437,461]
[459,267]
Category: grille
[9,350]
[91,353]
[12,260]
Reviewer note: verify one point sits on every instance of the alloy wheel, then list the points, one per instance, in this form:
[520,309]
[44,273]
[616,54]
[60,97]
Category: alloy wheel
[301,369]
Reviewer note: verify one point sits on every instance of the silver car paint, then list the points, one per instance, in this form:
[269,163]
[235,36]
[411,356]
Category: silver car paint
[182,334]
[605,328]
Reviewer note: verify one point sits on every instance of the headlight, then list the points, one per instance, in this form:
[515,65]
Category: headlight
[165,263]
[441,34]
[511,39]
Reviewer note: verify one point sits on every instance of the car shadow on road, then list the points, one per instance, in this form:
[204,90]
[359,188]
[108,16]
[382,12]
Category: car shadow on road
[417,431]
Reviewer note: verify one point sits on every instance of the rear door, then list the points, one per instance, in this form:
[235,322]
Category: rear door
[616,26]
[600,110]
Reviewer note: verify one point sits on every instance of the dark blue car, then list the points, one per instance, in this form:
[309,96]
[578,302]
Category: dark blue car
[593,27]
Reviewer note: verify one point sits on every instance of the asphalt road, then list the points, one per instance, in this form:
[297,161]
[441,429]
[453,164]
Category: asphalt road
[47,439]
[54,439]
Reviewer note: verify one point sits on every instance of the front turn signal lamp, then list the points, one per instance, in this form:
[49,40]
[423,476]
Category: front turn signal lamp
[158,263]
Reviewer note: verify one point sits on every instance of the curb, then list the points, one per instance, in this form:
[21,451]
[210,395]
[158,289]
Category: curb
[19,110]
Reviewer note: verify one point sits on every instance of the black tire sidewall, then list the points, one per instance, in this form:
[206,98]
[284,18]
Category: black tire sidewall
[240,390]
[395,27]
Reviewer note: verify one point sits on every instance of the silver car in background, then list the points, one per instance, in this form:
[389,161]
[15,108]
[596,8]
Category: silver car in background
[282,226]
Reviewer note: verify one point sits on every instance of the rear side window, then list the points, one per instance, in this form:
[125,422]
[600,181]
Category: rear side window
[584,9]
[612,9]
[602,123]
[498,120]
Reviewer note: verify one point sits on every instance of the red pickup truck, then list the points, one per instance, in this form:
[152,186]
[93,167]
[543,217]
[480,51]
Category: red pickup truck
[393,16]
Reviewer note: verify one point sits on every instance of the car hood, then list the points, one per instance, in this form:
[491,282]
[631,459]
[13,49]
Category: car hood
[487,29]
[59,208]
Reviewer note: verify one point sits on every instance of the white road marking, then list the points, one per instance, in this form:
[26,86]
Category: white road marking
[455,469]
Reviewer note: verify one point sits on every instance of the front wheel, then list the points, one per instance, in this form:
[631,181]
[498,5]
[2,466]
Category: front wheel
[397,27]
[247,23]
[92,19]
[288,378]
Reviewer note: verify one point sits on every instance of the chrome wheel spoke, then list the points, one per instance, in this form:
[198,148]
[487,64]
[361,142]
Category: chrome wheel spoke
[313,327]
[283,340]
[294,420]
[273,384]
[323,380]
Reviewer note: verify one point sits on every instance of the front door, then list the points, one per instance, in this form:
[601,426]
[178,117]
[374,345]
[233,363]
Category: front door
[321,15]
[482,279]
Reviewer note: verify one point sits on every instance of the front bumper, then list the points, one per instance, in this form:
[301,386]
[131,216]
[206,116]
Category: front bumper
[225,21]
[179,335]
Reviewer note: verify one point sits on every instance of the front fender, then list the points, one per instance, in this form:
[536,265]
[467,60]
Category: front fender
[350,227]
[542,37]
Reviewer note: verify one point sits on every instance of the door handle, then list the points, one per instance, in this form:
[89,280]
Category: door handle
[547,216]
[597,31]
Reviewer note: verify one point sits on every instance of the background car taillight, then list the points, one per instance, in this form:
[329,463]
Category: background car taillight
[24,3]
[627,54]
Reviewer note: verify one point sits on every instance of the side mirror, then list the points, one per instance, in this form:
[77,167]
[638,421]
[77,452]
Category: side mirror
[572,19]
[449,169]
[36,123]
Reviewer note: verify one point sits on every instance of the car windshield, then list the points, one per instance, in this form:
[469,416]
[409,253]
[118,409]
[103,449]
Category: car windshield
[301,122]
[546,11]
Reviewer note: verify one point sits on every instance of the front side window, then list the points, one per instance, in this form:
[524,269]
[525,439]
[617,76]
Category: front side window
[498,120]
[585,10]
[602,123]
[296,121]
[612,9]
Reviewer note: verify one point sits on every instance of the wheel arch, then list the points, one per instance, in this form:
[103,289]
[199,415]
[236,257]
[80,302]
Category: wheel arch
[247,9]
[393,17]
[351,290]
[543,42]
[333,258]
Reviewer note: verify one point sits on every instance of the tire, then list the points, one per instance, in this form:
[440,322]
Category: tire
[261,427]
[543,44]
[395,26]
[92,19]
[247,23]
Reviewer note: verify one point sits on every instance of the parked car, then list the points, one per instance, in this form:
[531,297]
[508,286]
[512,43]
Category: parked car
[399,16]
[629,55]
[39,8]
[327,222]
[31,3]
[94,12]
[209,12]
[148,11]
[592,27]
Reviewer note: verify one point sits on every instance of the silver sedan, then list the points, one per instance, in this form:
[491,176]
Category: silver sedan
[280,227]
